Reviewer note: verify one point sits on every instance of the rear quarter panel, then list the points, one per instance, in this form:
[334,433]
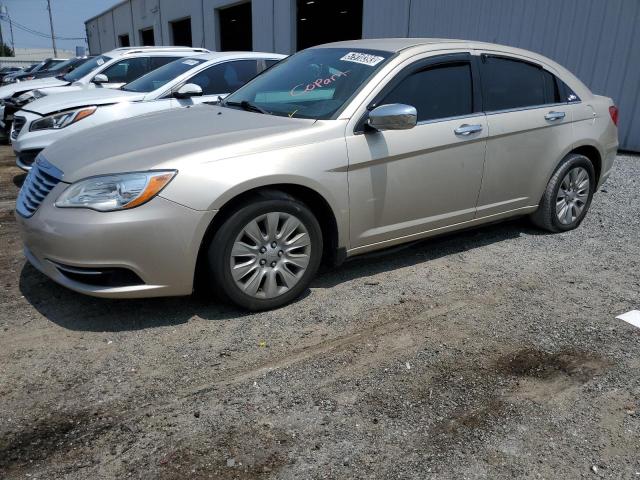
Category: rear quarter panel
[593,126]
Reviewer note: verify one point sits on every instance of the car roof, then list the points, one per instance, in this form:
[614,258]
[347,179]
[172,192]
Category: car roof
[411,46]
[126,51]
[233,55]
[388,44]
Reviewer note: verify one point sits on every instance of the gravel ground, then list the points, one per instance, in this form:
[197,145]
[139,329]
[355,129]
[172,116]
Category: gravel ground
[493,353]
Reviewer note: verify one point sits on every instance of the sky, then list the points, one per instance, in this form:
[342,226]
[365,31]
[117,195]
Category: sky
[68,21]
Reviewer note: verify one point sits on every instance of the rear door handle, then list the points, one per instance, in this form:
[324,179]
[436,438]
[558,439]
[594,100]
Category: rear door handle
[552,116]
[466,130]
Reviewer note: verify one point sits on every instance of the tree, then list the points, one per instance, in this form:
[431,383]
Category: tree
[6,50]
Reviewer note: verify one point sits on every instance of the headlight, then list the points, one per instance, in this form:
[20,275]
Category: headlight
[62,119]
[115,192]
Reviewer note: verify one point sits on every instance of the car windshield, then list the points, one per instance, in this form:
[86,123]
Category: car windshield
[163,75]
[86,68]
[315,83]
[62,65]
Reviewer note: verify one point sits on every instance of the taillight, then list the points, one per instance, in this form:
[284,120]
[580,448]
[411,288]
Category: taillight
[613,111]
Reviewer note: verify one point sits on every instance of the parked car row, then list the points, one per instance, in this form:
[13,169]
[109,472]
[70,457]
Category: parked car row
[165,183]
[33,71]
[187,82]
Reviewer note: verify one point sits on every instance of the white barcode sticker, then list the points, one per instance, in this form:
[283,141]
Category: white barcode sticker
[100,61]
[362,58]
[190,62]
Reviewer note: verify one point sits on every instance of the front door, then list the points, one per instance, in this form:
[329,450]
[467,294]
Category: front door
[404,183]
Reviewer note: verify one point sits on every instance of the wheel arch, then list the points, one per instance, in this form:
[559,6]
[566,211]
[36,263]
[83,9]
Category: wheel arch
[333,253]
[592,153]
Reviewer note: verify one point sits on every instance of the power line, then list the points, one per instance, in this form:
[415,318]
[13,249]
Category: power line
[37,33]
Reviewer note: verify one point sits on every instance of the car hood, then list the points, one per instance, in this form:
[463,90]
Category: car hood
[167,139]
[80,98]
[27,86]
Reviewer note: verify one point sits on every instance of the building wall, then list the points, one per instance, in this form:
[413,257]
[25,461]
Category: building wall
[598,40]
[123,23]
[146,13]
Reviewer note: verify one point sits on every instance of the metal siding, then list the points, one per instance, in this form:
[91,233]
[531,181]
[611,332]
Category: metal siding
[284,26]
[385,18]
[597,40]
[262,25]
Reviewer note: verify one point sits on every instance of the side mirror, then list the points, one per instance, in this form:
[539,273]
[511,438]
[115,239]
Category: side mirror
[188,90]
[100,78]
[394,116]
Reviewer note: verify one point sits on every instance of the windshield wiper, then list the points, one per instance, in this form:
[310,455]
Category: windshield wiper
[249,107]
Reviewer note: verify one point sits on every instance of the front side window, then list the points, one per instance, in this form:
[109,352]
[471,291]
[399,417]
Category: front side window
[436,92]
[509,83]
[225,77]
[315,83]
[86,68]
[160,77]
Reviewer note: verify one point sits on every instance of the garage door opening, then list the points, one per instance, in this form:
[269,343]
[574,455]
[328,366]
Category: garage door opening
[181,32]
[322,21]
[123,40]
[146,37]
[235,27]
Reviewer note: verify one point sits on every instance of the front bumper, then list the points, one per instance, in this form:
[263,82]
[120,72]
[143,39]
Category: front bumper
[157,242]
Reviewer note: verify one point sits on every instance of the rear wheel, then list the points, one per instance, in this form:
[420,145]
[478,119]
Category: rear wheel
[266,253]
[568,195]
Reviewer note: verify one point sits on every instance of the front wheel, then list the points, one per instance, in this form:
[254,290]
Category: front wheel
[266,253]
[568,195]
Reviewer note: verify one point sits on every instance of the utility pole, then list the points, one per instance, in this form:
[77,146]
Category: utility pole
[4,14]
[1,39]
[13,45]
[53,37]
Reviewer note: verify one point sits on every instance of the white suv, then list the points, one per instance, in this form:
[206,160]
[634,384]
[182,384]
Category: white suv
[109,70]
[182,83]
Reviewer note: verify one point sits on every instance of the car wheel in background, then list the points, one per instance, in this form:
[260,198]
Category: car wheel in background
[568,195]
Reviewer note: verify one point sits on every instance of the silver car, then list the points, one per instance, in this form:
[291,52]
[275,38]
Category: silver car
[338,150]
[182,83]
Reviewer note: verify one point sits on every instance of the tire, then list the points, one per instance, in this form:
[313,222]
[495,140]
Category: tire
[566,199]
[277,274]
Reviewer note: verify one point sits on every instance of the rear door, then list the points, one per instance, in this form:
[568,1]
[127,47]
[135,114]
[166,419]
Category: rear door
[129,69]
[529,129]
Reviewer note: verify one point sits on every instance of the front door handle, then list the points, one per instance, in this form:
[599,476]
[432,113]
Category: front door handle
[466,130]
[552,116]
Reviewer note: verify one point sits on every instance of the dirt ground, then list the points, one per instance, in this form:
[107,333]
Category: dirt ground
[493,353]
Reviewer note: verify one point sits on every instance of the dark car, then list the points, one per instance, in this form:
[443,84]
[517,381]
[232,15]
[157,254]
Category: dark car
[57,70]
[43,66]
[4,71]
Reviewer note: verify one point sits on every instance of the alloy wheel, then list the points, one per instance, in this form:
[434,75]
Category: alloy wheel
[270,255]
[572,195]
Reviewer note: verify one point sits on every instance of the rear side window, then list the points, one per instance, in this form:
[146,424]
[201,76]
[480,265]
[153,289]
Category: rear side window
[509,83]
[129,69]
[225,77]
[436,92]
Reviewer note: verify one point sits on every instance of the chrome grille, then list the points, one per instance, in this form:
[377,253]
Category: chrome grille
[18,123]
[39,182]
